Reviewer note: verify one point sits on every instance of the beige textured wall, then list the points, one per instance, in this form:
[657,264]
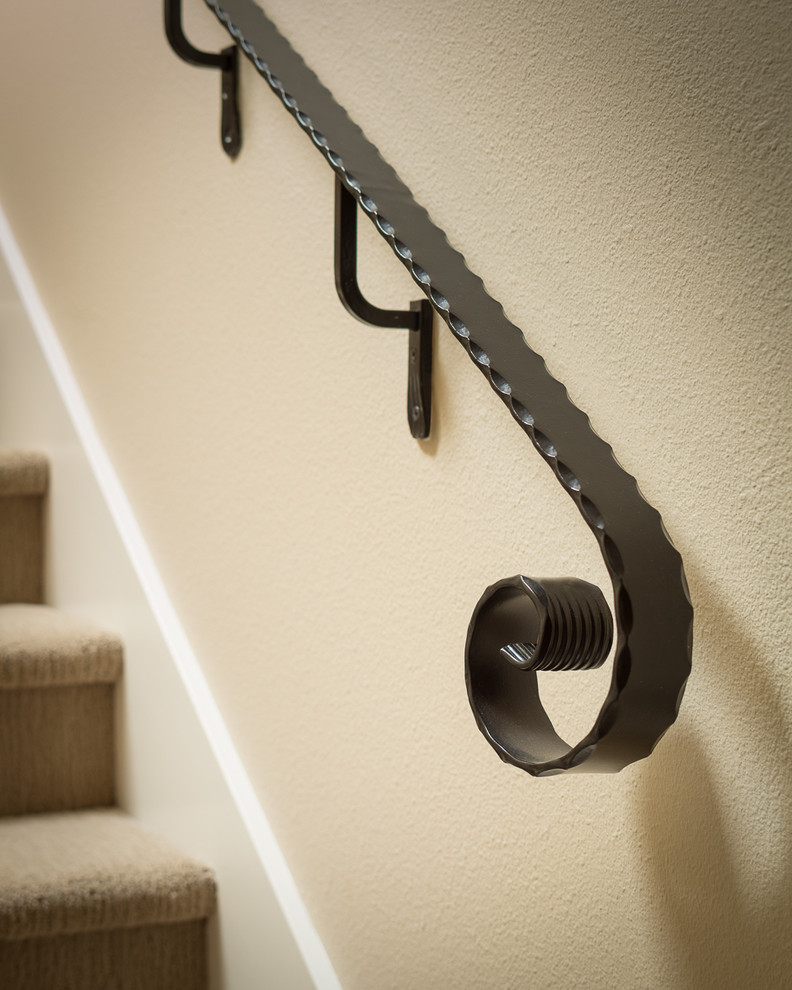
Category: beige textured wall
[618,173]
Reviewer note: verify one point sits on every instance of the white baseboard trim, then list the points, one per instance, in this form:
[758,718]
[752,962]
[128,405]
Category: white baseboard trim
[211,720]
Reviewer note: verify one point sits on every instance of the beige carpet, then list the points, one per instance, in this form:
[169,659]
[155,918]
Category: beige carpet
[23,483]
[89,900]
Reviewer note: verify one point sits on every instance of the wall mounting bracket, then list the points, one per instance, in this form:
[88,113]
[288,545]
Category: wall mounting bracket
[417,320]
[227,61]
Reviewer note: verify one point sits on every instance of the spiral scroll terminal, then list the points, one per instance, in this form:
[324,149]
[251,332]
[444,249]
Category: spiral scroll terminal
[521,626]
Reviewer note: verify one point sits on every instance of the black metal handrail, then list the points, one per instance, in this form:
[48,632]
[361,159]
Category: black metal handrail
[520,625]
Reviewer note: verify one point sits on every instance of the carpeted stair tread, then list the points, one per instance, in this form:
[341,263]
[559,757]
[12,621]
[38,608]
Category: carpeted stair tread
[93,871]
[41,646]
[22,472]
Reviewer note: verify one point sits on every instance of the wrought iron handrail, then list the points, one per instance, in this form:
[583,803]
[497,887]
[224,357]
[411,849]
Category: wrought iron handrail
[520,625]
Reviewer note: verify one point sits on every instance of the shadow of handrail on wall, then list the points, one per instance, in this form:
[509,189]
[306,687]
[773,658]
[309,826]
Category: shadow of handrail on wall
[728,906]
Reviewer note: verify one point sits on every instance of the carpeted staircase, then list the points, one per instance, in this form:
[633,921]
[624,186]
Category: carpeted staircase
[88,899]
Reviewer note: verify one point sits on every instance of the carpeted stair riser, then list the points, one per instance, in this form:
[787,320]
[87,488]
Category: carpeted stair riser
[56,748]
[24,478]
[21,548]
[154,957]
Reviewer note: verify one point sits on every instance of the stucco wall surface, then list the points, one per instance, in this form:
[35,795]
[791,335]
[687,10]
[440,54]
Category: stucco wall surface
[618,173]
